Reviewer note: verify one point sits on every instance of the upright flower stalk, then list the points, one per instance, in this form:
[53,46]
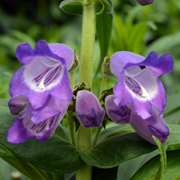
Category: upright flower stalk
[85,75]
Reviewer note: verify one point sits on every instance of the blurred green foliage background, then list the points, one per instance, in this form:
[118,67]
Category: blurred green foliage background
[140,29]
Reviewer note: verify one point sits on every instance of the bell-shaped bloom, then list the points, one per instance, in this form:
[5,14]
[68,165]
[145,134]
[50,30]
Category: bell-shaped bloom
[44,73]
[145,2]
[88,110]
[152,126]
[39,123]
[118,114]
[139,80]
[146,128]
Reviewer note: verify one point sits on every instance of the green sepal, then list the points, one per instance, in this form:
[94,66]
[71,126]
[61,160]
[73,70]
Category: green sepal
[76,6]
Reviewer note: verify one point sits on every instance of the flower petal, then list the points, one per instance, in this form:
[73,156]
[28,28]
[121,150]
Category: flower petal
[62,90]
[17,85]
[142,108]
[37,99]
[52,108]
[18,133]
[88,110]
[42,49]
[120,59]
[63,51]
[159,100]
[17,104]
[122,95]
[159,66]
[154,125]
[25,53]
[119,114]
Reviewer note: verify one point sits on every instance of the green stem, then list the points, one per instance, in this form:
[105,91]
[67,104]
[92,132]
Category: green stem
[84,173]
[103,83]
[85,75]
[71,129]
[87,47]
[97,135]
[72,79]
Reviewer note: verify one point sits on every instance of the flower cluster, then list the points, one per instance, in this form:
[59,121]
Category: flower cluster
[40,93]
[40,90]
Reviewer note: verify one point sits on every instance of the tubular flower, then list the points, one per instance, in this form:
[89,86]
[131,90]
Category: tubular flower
[88,110]
[138,80]
[145,2]
[40,90]
[44,73]
[39,123]
[146,128]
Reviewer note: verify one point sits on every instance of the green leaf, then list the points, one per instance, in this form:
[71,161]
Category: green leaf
[63,132]
[174,137]
[148,171]
[161,46]
[22,166]
[163,160]
[72,6]
[106,6]
[134,165]
[136,38]
[119,37]
[172,104]
[54,155]
[114,131]
[116,150]
[76,6]
[104,28]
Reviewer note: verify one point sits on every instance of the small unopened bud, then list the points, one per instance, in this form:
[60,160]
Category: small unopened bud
[88,109]
[106,67]
[75,62]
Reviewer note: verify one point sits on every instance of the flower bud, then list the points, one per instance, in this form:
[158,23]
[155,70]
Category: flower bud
[88,110]
[106,67]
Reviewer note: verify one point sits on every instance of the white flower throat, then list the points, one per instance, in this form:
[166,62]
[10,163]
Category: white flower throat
[134,80]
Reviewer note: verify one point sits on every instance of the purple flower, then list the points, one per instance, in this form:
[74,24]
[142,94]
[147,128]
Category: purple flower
[44,73]
[40,90]
[145,2]
[39,123]
[138,80]
[146,128]
[88,110]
